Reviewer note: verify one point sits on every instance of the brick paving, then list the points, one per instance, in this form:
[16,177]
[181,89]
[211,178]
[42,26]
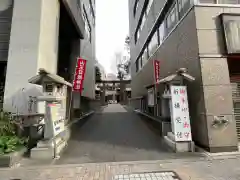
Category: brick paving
[201,169]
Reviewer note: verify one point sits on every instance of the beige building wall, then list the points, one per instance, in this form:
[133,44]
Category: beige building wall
[180,50]
[196,44]
[141,79]
[215,77]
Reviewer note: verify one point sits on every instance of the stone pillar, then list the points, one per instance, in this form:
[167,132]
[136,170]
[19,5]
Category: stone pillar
[33,44]
[218,101]
[215,94]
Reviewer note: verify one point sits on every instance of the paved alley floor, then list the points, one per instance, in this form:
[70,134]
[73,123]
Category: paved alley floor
[112,135]
[117,144]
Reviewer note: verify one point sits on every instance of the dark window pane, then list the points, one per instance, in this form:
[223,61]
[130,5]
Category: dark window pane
[183,6]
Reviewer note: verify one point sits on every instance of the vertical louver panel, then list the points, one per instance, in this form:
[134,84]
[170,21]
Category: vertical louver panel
[6,9]
[235,82]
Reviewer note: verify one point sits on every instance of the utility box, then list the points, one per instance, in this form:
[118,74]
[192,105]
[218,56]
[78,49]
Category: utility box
[53,104]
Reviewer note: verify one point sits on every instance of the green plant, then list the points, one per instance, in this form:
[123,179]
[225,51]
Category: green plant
[9,141]
[7,125]
[10,144]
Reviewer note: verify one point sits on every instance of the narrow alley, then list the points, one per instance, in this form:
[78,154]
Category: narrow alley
[115,134]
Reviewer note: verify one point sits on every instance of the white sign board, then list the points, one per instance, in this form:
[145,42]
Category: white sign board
[150,97]
[180,114]
[57,118]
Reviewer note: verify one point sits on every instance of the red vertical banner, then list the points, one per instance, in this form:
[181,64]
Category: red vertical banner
[79,75]
[156,65]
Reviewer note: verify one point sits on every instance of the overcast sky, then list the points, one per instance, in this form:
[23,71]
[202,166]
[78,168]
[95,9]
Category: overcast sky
[111,30]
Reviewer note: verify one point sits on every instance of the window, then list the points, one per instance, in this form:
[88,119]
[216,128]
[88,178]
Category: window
[88,29]
[89,32]
[233,36]
[91,10]
[149,6]
[79,4]
[135,7]
[137,65]
[84,14]
[153,44]
[182,3]
[135,37]
[145,56]
[183,6]
[172,17]
[143,22]
[140,63]
[161,32]
[143,60]
[231,26]
[138,34]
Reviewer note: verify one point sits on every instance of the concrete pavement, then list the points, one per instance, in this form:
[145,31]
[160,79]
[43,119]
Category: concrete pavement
[115,134]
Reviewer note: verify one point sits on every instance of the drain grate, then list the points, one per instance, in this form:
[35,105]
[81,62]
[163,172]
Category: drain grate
[161,175]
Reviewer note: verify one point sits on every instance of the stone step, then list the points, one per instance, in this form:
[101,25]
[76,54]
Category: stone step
[179,146]
[42,153]
[45,144]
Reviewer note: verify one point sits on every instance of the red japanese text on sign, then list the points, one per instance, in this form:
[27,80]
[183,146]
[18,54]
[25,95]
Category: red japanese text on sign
[180,113]
[156,70]
[79,75]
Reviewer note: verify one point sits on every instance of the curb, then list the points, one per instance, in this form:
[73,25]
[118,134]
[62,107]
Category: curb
[82,117]
[130,163]
[146,115]
[220,155]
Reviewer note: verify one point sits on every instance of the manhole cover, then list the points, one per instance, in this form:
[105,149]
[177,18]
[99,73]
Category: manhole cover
[163,175]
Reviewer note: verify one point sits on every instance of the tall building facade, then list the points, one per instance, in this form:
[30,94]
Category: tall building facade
[47,34]
[87,51]
[203,37]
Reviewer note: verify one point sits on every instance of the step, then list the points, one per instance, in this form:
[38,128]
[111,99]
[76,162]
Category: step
[42,153]
[45,144]
[179,146]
